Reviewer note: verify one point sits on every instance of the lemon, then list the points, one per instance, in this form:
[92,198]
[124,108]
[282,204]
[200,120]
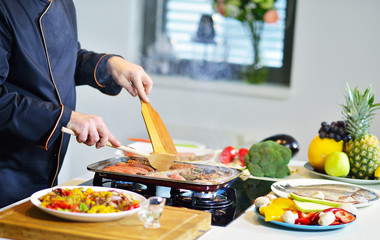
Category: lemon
[320,149]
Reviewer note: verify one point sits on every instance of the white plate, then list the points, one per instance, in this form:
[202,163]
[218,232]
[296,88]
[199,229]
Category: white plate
[188,144]
[86,217]
[312,182]
[342,179]
[198,151]
[294,174]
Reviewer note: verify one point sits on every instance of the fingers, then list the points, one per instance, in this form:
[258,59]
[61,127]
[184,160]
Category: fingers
[114,141]
[91,130]
[130,76]
[143,86]
[129,86]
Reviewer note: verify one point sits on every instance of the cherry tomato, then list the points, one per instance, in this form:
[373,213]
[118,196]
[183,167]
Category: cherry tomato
[227,154]
[242,152]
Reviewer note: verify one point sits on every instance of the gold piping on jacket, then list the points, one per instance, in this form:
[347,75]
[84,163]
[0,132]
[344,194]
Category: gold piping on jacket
[96,67]
[56,90]
[55,126]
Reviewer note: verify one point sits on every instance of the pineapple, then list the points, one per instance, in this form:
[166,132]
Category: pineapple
[363,149]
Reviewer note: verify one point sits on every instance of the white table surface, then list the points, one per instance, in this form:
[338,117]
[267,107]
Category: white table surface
[249,226]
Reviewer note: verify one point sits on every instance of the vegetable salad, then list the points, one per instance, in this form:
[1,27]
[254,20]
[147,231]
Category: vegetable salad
[78,200]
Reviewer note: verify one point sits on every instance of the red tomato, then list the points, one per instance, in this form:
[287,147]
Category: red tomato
[242,152]
[227,155]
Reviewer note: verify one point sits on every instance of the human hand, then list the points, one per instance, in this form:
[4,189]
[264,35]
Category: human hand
[130,76]
[91,129]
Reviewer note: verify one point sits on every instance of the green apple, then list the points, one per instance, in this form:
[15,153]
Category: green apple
[337,164]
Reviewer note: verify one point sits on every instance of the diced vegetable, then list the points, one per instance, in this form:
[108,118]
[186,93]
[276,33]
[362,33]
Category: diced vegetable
[286,210]
[89,201]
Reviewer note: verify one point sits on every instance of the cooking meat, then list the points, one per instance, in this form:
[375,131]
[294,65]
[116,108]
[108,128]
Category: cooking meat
[125,168]
[114,168]
[176,176]
[181,166]
[167,175]
[136,169]
[178,171]
[134,163]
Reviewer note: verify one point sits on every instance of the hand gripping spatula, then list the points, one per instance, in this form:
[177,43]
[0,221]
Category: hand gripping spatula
[159,136]
[157,160]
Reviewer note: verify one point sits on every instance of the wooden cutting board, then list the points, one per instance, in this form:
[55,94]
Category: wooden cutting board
[25,221]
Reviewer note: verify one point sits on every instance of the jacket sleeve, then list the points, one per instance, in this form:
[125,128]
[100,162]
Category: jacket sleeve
[91,69]
[22,115]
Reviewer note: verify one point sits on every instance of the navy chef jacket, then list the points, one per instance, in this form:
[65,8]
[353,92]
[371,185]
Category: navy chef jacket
[41,62]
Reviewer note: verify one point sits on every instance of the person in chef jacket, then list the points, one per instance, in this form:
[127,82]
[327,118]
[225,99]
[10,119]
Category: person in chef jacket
[41,62]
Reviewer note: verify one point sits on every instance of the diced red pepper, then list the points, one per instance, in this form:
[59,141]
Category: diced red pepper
[302,221]
[336,222]
[341,216]
[60,204]
[331,210]
[344,216]
[64,192]
[307,218]
[74,208]
[313,217]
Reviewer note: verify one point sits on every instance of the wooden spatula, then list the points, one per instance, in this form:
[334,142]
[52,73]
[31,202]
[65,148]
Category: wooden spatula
[158,134]
[159,161]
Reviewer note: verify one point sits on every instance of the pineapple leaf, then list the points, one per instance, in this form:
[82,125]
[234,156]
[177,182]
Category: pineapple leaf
[359,111]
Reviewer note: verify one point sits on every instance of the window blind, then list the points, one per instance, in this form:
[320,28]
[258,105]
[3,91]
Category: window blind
[232,40]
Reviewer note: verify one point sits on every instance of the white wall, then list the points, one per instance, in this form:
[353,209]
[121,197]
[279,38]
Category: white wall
[336,41]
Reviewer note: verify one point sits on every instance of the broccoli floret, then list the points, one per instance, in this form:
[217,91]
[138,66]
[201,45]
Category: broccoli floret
[285,154]
[269,171]
[255,170]
[282,171]
[268,159]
